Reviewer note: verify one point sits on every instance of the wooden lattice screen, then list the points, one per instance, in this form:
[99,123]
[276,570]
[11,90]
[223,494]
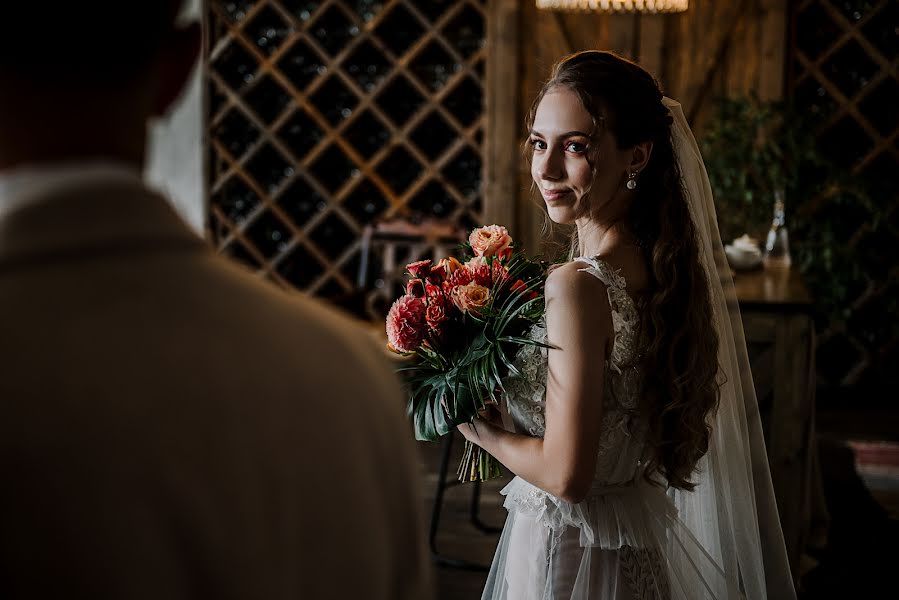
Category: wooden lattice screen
[844,74]
[324,116]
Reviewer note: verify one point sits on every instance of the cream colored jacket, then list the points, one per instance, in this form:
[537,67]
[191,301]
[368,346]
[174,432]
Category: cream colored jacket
[173,427]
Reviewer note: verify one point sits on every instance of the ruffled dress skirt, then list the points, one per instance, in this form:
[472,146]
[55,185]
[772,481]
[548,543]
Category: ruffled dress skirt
[623,542]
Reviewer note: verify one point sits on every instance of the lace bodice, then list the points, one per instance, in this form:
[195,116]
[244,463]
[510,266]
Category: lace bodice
[623,432]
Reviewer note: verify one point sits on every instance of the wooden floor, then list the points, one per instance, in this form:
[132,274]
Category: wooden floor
[457,537]
[864,530]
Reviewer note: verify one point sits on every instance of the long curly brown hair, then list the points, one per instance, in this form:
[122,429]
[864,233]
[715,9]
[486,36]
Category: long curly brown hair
[680,360]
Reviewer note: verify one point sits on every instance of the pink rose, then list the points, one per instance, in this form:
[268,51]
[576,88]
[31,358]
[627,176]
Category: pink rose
[471,298]
[492,240]
[421,268]
[406,324]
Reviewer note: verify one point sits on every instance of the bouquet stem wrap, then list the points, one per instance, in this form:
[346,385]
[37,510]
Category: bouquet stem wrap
[477,464]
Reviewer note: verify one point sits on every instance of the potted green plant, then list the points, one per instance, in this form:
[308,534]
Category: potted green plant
[753,150]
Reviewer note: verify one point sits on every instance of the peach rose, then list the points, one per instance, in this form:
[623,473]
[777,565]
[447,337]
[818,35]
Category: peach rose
[471,298]
[406,324]
[492,240]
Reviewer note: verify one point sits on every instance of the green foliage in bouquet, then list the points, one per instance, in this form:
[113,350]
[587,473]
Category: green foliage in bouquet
[462,324]
[452,383]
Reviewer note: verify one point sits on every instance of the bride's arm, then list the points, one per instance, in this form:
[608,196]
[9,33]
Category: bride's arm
[579,324]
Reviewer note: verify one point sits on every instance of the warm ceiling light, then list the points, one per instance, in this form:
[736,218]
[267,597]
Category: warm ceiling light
[616,6]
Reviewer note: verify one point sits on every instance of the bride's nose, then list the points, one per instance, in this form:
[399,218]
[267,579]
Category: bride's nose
[551,166]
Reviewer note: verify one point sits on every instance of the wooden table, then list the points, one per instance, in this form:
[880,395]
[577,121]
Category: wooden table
[776,309]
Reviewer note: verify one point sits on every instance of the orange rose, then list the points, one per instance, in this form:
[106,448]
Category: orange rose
[471,298]
[492,240]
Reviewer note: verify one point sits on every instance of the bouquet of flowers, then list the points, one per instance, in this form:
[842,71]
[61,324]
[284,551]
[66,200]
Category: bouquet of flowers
[461,322]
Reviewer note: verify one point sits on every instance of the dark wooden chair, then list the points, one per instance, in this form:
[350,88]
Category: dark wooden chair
[393,245]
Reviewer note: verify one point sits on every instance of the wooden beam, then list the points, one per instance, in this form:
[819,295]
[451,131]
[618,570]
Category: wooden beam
[502,116]
[772,70]
[717,64]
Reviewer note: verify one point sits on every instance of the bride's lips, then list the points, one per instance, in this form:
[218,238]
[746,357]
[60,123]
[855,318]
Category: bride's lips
[550,195]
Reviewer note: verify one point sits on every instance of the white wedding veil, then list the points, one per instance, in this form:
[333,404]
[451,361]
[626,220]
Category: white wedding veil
[732,512]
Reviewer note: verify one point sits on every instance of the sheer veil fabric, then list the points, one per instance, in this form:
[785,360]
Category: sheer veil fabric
[732,511]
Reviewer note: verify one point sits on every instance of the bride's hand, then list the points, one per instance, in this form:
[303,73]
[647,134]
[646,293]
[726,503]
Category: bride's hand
[491,414]
[487,417]
[469,431]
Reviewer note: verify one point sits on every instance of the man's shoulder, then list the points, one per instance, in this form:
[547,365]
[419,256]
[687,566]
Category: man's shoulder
[292,320]
[249,293]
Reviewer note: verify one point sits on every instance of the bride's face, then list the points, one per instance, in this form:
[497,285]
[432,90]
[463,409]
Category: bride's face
[560,167]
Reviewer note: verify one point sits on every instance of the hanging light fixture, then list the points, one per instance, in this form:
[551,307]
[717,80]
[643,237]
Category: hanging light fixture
[616,6]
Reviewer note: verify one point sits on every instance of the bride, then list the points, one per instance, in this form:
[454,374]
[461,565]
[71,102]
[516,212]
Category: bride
[641,468]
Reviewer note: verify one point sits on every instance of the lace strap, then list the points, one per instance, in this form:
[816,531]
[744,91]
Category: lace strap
[604,272]
[624,313]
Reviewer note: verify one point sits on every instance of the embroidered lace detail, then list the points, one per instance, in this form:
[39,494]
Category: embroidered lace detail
[614,431]
[533,501]
[624,312]
[621,446]
[527,394]
[644,571]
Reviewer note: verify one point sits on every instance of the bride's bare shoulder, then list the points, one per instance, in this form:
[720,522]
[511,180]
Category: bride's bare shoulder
[568,279]
[576,304]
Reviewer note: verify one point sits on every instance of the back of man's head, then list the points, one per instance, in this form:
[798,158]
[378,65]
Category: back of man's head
[97,41]
[80,79]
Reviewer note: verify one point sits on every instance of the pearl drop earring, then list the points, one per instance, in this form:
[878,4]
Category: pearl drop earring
[632,180]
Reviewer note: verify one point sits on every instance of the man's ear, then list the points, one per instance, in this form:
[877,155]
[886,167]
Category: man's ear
[177,59]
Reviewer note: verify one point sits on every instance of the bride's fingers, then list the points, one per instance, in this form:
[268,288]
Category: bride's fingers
[468,431]
[491,414]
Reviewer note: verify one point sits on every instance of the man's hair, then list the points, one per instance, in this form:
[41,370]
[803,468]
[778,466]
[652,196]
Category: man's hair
[49,40]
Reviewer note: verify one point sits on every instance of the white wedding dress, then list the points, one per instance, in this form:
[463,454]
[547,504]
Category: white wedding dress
[616,544]
[630,539]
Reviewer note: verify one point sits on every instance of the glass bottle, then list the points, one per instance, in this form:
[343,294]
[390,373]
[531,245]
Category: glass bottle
[777,247]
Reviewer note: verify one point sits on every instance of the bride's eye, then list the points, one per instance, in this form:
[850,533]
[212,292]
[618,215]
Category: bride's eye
[576,147]
[537,144]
